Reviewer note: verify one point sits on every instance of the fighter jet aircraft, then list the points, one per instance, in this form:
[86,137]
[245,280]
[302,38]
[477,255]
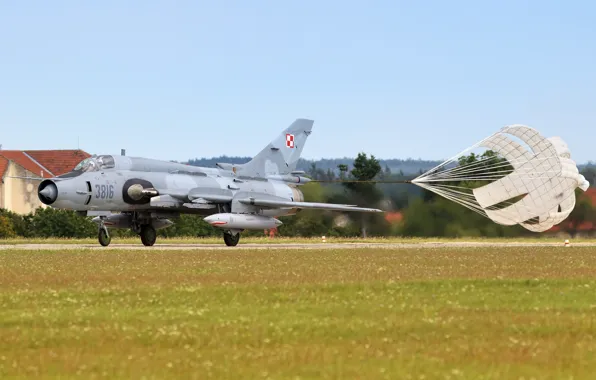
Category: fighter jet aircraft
[145,194]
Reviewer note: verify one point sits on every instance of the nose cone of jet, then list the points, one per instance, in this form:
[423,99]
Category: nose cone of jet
[66,194]
[48,192]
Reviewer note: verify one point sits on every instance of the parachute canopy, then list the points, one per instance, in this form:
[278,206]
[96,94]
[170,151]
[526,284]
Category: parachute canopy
[515,176]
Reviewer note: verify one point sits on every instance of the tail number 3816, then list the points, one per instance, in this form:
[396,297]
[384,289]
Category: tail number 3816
[104,191]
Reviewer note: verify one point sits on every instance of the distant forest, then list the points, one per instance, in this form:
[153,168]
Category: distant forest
[407,167]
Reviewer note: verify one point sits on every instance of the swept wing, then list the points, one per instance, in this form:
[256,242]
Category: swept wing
[304,205]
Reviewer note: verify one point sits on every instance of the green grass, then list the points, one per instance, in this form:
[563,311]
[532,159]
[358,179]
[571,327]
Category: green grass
[456,313]
[288,240]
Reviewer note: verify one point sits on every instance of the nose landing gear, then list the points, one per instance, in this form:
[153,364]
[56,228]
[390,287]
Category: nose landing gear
[102,235]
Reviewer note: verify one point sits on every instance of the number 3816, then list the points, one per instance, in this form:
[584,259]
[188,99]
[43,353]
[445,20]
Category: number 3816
[104,191]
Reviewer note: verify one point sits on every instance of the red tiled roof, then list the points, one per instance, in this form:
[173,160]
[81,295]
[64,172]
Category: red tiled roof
[58,161]
[3,166]
[26,162]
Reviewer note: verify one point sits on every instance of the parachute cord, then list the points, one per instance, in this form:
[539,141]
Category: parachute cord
[356,181]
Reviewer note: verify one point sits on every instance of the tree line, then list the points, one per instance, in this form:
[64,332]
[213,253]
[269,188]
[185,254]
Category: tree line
[408,166]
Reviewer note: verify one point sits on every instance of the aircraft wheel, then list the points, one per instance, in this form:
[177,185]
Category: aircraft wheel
[148,235]
[103,237]
[231,240]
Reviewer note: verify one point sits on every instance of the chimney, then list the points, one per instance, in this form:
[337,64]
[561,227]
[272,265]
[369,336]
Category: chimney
[123,152]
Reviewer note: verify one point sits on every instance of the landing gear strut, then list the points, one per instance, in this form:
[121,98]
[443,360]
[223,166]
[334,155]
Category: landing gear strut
[148,235]
[231,240]
[103,236]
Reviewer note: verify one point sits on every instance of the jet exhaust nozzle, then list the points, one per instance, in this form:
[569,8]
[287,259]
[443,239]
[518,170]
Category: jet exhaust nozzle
[47,192]
[242,221]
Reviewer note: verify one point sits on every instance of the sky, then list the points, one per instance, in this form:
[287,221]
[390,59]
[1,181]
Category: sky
[176,80]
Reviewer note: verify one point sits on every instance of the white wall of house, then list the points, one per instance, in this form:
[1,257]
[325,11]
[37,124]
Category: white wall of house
[19,195]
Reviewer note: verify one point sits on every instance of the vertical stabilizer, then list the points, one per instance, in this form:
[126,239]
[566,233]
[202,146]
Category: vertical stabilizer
[282,154]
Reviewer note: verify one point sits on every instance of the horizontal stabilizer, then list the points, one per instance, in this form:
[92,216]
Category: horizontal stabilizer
[305,205]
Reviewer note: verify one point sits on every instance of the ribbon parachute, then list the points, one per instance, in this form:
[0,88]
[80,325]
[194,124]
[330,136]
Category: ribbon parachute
[520,178]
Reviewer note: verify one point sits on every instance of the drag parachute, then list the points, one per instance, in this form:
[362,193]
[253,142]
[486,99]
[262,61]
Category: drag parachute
[515,176]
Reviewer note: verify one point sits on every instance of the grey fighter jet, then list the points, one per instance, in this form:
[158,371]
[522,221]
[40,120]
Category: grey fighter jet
[145,194]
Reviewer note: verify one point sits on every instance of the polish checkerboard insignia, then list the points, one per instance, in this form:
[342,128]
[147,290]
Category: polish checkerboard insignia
[289,140]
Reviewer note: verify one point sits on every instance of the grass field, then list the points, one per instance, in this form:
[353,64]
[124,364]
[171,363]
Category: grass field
[457,313]
[288,240]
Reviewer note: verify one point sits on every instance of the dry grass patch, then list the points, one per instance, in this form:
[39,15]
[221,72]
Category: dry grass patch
[291,240]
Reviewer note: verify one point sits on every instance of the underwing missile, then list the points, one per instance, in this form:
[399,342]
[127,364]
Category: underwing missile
[242,221]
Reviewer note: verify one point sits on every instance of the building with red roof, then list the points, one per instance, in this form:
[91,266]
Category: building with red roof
[19,194]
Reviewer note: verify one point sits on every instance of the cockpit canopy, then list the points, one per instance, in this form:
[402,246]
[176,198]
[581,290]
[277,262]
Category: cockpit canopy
[96,163]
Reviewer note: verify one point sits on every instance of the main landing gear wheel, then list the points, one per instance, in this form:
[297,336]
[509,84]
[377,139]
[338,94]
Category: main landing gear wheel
[148,235]
[103,237]
[231,240]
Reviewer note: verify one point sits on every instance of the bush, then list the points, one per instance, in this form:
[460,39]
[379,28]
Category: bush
[20,223]
[49,222]
[189,225]
[6,227]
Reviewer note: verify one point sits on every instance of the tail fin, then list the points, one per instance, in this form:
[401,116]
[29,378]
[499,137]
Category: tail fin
[282,154]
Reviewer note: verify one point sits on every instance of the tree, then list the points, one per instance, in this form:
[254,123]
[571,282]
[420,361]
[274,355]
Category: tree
[343,169]
[487,162]
[582,212]
[387,172]
[442,217]
[319,174]
[6,227]
[365,169]
[21,224]
[50,222]
[189,225]
[330,175]
[589,172]
[312,172]
[309,222]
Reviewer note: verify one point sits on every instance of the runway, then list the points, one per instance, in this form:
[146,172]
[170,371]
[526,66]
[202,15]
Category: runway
[317,246]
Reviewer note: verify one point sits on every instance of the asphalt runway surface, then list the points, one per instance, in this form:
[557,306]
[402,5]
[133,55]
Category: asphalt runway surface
[180,247]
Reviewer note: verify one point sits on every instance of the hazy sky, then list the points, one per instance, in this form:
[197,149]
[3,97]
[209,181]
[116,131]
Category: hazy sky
[185,79]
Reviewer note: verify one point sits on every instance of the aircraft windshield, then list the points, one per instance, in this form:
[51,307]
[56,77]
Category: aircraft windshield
[93,164]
